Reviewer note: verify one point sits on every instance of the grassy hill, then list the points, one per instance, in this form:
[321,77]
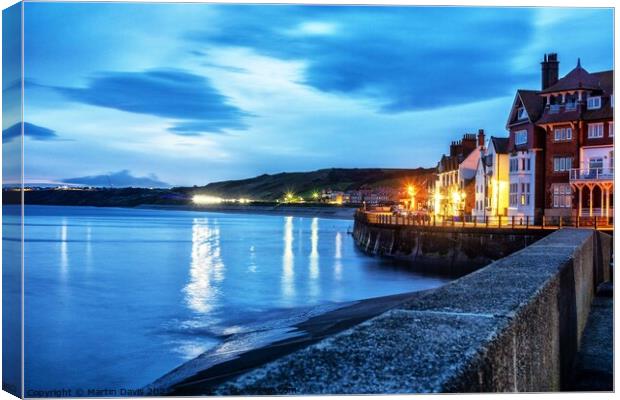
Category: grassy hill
[272,187]
[262,188]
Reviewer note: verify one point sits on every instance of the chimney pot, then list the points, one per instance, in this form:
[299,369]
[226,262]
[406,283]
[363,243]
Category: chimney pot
[549,70]
[480,137]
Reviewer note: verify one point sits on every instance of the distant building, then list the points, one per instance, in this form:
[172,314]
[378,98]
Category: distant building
[492,180]
[454,189]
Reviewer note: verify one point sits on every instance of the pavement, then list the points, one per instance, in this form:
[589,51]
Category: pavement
[594,369]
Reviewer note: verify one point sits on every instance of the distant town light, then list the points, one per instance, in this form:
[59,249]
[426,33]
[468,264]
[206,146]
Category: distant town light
[410,190]
[204,199]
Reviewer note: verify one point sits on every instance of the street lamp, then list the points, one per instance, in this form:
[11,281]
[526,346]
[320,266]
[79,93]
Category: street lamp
[411,192]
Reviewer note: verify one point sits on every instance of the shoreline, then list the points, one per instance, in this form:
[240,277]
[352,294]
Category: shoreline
[328,212]
[203,374]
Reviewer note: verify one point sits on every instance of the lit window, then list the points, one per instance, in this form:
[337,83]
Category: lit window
[595,130]
[594,102]
[520,137]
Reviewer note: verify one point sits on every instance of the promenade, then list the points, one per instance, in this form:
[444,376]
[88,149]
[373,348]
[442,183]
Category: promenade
[500,222]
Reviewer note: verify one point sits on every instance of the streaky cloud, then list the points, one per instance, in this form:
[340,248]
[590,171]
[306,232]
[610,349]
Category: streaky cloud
[32,131]
[189,100]
[406,58]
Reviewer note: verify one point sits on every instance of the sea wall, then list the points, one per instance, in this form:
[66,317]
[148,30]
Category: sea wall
[514,325]
[442,249]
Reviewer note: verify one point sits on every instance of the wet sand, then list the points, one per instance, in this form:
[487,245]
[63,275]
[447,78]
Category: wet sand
[201,375]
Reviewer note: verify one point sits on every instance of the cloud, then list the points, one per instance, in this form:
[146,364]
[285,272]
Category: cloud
[32,131]
[407,58]
[190,100]
[121,178]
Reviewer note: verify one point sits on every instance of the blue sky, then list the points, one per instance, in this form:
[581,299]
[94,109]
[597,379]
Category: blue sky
[192,93]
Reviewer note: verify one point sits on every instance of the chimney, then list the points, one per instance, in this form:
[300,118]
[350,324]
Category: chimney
[550,70]
[481,137]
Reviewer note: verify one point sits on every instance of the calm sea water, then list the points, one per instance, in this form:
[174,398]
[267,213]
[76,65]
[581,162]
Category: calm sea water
[115,298]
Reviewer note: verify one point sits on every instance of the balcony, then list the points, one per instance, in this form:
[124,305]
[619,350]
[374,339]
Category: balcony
[591,174]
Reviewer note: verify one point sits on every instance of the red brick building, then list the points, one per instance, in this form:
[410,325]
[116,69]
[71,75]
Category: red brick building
[561,143]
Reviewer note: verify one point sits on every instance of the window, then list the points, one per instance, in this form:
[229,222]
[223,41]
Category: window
[594,102]
[524,198]
[521,113]
[561,164]
[595,130]
[611,129]
[560,134]
[520,137]
[514,164]
[595,162]
[513,193]
[562,197]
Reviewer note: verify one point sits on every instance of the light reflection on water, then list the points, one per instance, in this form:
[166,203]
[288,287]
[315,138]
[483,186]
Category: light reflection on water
[338,257]
[207,269]
[64,252]
[288,261]
[127,294]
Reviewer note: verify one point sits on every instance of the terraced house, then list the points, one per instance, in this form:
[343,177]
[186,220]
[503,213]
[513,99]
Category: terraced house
[561,145]
[454,188]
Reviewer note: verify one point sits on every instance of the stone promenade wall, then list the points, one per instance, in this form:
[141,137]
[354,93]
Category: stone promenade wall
[514,325]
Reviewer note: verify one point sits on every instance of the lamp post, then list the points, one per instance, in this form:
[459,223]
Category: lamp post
[411,192]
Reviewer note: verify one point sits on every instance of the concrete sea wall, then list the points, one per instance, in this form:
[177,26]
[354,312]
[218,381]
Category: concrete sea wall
[442,249]
[514,325]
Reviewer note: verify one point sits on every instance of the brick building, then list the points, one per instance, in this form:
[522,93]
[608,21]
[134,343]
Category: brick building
[561,144]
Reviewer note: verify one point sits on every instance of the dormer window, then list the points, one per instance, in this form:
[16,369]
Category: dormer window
[594,102]
[521,113]
[520,137]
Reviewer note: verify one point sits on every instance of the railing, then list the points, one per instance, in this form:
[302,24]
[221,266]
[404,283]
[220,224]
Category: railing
[498,222]
[554,108]
[591,174]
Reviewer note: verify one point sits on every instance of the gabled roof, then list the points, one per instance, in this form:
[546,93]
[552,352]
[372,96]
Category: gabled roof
[578,78]
[500,144]
[468,167]
[532,102]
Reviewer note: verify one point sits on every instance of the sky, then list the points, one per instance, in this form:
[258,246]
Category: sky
[187,94]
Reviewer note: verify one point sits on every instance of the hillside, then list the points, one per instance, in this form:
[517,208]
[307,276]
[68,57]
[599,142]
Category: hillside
[261,188]
[272,187]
